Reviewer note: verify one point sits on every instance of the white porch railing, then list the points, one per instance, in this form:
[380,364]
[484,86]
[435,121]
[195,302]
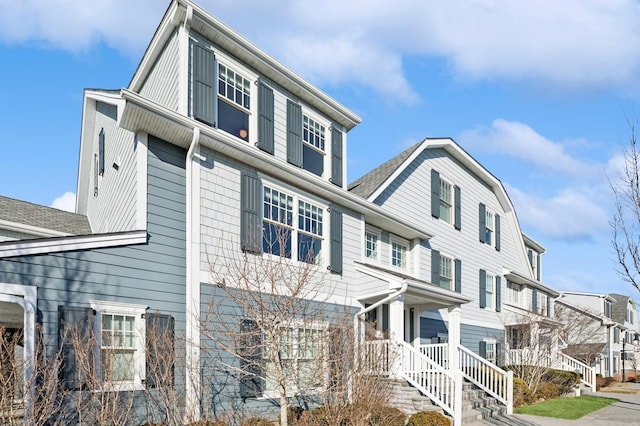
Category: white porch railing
[487,376]
[561,362]
[587,373]
[437,352]
[442,386]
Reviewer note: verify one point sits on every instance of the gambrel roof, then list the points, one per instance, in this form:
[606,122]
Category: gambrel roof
[40,219]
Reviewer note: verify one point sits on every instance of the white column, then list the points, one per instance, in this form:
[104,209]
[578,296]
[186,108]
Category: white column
[454,342]
[396,328]
[416,328]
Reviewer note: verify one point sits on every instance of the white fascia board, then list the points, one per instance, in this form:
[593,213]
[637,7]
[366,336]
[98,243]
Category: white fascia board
[221,141]
[533,244]
[521,279]
[30,229]
[72,243]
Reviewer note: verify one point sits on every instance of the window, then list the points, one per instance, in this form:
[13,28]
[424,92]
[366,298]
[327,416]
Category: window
[515,293]
[541,303]
[301,350]
[489,228]
[489,291]
[399,254]
[282,235]
[445,201]
[234,98]
[371,245]
[607,309]
[490,351]
[616,335]
[120,336]
[313,146]
[446,272]
[519,336]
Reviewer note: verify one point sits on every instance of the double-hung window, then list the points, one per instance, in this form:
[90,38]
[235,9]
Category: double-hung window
[489,228]
[445,201]
[515,293]
[542,303]
[446,272]
[490,291]
[607,309]
[234,102]
[301,353]
[120,336]
[491,350]
[290,232]
[371,241]
[313,145]
[399,254]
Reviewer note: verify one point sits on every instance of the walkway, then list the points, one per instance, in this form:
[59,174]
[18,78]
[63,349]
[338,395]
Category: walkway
[626,412]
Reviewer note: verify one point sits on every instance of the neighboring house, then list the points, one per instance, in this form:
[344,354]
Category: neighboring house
[624,311]
[587,329]
[613,328]
[217,152]
[22,220]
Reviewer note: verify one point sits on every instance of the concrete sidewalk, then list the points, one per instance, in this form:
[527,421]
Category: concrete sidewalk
[624,412]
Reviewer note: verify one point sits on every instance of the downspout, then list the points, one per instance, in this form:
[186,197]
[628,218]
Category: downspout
[192,307]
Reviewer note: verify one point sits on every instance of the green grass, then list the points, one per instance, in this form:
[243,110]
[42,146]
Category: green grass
[567,408]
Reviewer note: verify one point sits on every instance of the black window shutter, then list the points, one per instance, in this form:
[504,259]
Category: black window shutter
[482,218]
[483,288]
[458,272]
[483,349]
[530,256]
[160,350]
[548,306]
[75,324]
[250,223]
[498,294]
[101,152]
[265,118]
[435,193]
[294,133]
[497,230]
[336,240]
[457,218]
[250,351]
[336,155]
[203,84]
[538,275]
[435,267]
[385,317]
[534,300]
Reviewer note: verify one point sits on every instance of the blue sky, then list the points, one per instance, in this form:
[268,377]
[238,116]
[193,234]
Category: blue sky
[538,92]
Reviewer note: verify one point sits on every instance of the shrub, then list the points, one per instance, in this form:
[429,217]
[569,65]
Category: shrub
[293,414]
[428,418]
[602,382]
[208,423]
[256,421]
[521,393]
[548,390]
[566,380]
[387,416]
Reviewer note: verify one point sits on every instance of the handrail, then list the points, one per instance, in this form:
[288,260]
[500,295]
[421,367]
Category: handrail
[487,376]
[587,373]
[438,352]
[431,379]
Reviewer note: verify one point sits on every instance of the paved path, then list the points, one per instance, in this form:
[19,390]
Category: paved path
[626,412]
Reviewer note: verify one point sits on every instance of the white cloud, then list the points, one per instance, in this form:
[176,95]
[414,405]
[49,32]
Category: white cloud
[572,44]
[66,201]
[569,215]
[520,141]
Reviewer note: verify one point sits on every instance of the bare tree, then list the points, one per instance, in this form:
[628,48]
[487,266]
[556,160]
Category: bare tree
[582,331]
[626,220]
[273,326]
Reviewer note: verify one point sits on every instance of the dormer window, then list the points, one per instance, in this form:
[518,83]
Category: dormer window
[234,97]
[313,147]
[607,309]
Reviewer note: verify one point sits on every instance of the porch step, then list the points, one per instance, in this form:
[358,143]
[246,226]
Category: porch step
[408,399]
[478,405]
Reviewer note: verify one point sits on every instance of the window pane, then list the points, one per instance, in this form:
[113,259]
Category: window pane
[233,120]
[276,240]
[371,245]
[309,248]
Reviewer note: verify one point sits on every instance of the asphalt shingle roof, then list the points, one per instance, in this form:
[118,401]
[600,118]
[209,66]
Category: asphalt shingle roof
[370,182]
[26,213]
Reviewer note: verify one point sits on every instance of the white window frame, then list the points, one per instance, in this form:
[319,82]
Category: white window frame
[490,227]
[326,152]
[542,301]
[321,259]
[446,202]
[126,309]
[490,293]
[606,304]
[393,240]
[491,350]
[320,326]
[378,235]
[223,59]
[515,293]
[452,272]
